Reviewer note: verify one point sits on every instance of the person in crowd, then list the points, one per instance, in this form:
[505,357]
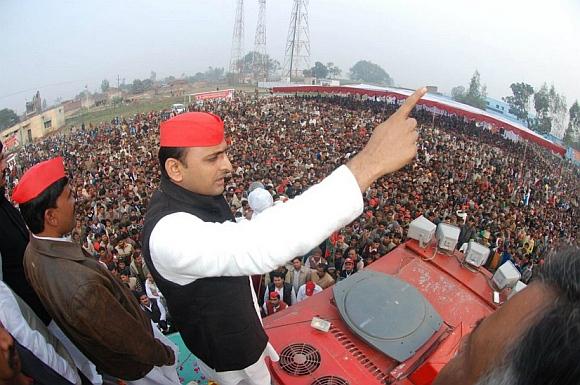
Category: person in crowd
[314,259]
[353,255]
[87,302]
[139,269]
[194,165]
[131,282]
[321,277]
[13,241]
[38,353]
[348,269]
[10,362]
[274,304]
[534,338]
[307,290]
[154,311]
[297,275]
[286,290]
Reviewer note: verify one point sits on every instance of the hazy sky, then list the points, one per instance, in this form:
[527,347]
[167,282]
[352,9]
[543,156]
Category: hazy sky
[58,47]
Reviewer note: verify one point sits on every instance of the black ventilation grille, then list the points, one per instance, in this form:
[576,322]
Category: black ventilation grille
[301,360]
[330,380]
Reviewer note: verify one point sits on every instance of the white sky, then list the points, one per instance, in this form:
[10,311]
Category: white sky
[59,47]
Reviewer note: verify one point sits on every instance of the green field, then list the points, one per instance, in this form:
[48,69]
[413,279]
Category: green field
[107,113]
[97,115]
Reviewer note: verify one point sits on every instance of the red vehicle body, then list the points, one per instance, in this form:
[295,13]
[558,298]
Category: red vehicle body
[460,295]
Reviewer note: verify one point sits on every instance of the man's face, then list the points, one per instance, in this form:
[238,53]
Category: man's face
[9,360]
[278,282]
[274,301]
[124,278]
[484,347]
[144,300]
[297,264]
[65,210]
[320,271]
[348,266]
[205,169]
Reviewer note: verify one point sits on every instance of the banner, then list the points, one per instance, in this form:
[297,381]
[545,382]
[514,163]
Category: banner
[225,94]
[11,142]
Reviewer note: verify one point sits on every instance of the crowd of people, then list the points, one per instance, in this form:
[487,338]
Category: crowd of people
[499,192]
[495,190]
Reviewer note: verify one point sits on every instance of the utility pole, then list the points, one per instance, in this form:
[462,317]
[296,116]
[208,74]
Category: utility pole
[297,57]
[259,62]
[237,40]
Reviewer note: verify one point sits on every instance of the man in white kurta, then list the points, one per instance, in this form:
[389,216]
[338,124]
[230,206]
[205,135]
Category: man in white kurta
[183,248]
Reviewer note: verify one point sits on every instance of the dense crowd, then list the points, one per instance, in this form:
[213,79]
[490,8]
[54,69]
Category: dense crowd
[514,197]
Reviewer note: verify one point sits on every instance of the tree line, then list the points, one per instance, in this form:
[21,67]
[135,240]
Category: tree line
[550,107]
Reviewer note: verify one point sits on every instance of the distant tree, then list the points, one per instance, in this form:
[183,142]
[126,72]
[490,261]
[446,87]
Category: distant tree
[543,122]
[44,105]
[246,64]
[474,96]
[520,101]
[147,84]
[8,118]
[558,111]
[458,93]
[366,71]
[572,135]
[319,71]
[333,71]
[116,100]
[198,77]
[105,85]
[214,75]
[137,87]
[169,79]
[153,76]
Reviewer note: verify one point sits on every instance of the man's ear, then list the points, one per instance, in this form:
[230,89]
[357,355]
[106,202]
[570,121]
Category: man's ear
[173,169]
[50,217]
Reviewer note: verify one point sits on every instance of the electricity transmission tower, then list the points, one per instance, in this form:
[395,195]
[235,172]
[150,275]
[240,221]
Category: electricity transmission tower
[237,39]
[259,61]
[297,57]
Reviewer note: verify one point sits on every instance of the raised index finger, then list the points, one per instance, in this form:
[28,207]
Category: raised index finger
[410,102]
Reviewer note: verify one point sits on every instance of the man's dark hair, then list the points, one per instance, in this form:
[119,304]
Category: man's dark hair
[165,153]
[296,258]
[548,352]
[278,274]
[33,211]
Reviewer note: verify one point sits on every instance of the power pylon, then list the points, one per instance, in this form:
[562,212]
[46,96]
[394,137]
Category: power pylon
[237,39]
[259,62]
[297,57]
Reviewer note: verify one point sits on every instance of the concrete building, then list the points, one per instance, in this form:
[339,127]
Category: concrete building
[34,127]
[497,106]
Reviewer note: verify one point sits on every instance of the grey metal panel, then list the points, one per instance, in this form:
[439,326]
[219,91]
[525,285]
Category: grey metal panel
[388,313]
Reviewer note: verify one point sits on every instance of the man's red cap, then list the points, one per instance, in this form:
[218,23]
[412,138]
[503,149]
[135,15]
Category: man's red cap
[348,260]
[192,129]
[37,179]
[274,294]
[310,288]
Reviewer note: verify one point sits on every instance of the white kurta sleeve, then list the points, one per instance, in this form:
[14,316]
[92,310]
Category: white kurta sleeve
[163,313]
[32,339]
[301,293]
[184,248]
